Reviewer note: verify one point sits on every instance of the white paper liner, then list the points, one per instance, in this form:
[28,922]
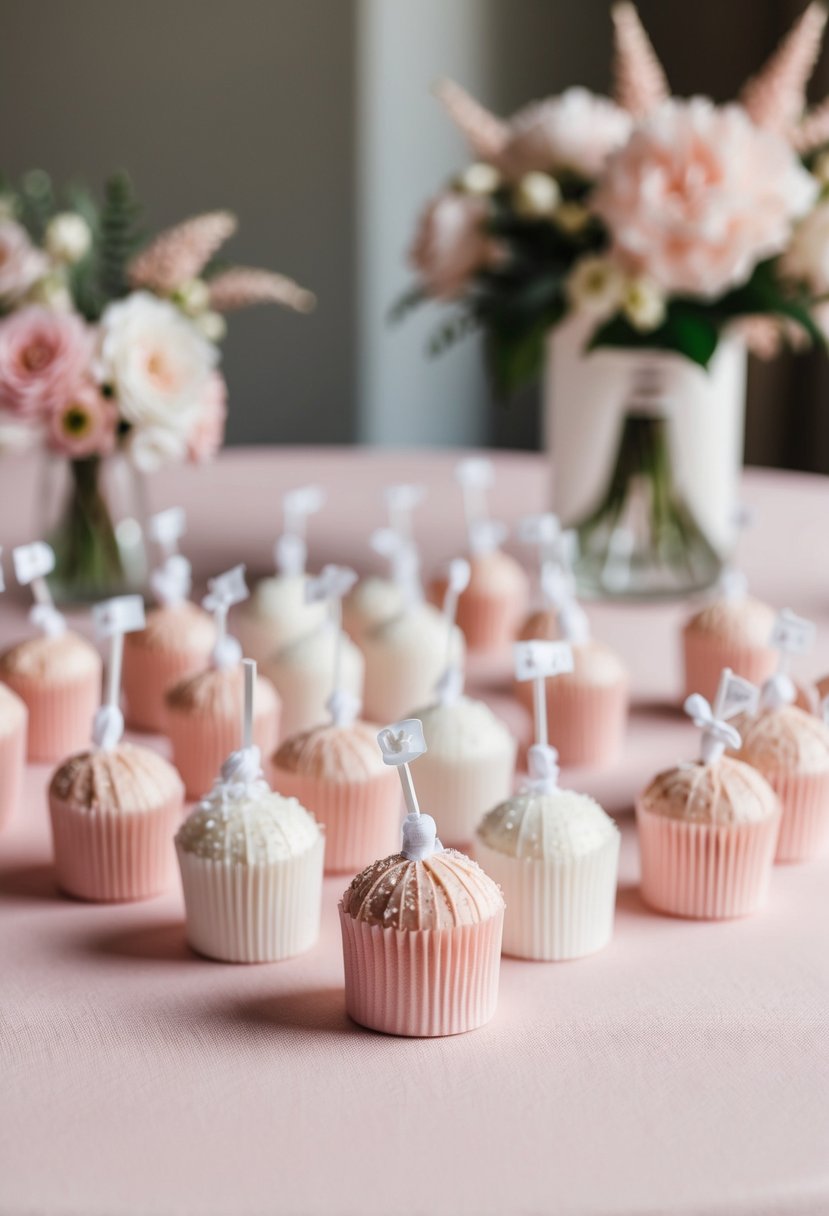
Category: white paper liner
[241,913]
[804,826]
[425,983]
[458,793]
[556,910]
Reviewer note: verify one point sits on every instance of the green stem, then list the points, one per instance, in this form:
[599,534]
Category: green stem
[87,558]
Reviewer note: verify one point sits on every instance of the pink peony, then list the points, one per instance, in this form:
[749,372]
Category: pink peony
[84,425]
[576,131]
[43,355]
[452,243]
[21,265]
[208,434]
[699,195]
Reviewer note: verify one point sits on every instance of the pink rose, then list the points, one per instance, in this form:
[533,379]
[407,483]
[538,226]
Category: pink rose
[451,244]
[699,195]
[576,131]
[208,433]
[84,425]
[21,265]
[43,355]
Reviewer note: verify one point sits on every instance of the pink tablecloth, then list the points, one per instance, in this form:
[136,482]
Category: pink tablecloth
[684,1070]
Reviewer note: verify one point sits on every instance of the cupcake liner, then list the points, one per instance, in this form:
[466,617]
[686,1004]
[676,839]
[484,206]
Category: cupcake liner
[555,909]
[488,622]
[423,983]
[60,713]
[261,913]
[12,763]
[587,722]
[458,793]
[202,743]
[361,818]
[705,871]
[804,824]
[705,657]
[109,857]
[148,674]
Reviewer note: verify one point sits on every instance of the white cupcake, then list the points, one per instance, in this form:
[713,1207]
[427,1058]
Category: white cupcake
[373,601]
[301,674]
[405,658]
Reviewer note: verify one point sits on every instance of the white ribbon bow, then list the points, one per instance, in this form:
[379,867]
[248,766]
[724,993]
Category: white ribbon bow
[343,707]
[242,772]
[542,762]
[48,620]
[107,727]
[717,734]
[170,582]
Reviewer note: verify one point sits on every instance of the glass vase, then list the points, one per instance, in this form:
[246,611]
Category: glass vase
[94,512]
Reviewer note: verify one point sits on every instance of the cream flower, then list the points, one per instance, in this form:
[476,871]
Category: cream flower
[576,131]
[699,195]
[156,361]
[643,303]
[596,286]
[21,265]
[68,237]
[451,244]
[807,257]
[479,178]
[536,196]
[151,447]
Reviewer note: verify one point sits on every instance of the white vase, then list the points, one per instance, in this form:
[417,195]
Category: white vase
[689,423]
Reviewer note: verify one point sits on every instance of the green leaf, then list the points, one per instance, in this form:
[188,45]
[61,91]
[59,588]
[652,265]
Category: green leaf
[515,359]
[405,304]
[687,330]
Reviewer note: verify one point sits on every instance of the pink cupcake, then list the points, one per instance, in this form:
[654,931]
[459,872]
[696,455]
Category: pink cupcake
[422,928]
[708,830]
[13,719]
[493,605]
[732,632]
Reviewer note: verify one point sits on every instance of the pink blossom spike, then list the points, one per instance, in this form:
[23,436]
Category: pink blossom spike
[242,287]
[776,97]
[180,254]
[640,82]
[485,134]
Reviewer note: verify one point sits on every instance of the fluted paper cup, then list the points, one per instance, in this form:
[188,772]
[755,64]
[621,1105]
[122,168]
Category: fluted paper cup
[202,743]
[148,674]
[421,983]
[488,622]
[804,824]
[259,913]
[705,657]
[705,871]
[458,793]
[361,818]
[12,763]
[556,910]
[114,858]
[60,713]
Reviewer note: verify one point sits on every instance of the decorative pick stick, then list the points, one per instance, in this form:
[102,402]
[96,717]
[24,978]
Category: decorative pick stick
[558,584]
[331,585]
[404,560]
[537,661]
[400,743]
[224,591]
[450,685]
[542,533]
[790,635]
[113,618]
[171,580]
[734,696]
[32,563]
[475,475]
[732,583]
[249,668]
[400,503]
[291,549]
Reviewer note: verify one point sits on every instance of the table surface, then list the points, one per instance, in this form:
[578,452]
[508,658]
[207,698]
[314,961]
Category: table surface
[683,1070]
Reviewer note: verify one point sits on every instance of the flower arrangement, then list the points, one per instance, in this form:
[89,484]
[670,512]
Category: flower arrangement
[111,343]
[661,221]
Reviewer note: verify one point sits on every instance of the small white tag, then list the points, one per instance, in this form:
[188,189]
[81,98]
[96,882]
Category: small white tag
[402,742]
[332,583]
[167,527]
[792,634]
[226,589]
[32,561]
[735,695]
[476,472]
[538,660]
[123,614]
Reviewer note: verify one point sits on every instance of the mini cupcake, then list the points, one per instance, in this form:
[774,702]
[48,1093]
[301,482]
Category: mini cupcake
[203,713]
[336,769]
[733,632]
[708,830]
[176,643]
[301,675]
[13,721]
[278,612]
[405,658]
[251,864]
[421,929]
[554,853]
[114,808]
[375,600]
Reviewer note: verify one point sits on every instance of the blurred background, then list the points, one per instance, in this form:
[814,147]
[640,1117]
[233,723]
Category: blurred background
[313,121]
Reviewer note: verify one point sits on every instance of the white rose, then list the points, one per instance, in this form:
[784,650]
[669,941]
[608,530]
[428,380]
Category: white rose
[68,237]
[536,196]
[151,447]
[157,362]
[807,257]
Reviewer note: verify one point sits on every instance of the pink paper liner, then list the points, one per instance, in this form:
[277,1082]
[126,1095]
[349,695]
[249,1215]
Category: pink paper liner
[556,909]
[424,983]
[202,743]
[705,871]
[489,622]
[587,722]
[60,714]
[458,793]
[147,675]
[705,658]
[114,857]
[362,819]
[239,913]
[804,825]
[12,763]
